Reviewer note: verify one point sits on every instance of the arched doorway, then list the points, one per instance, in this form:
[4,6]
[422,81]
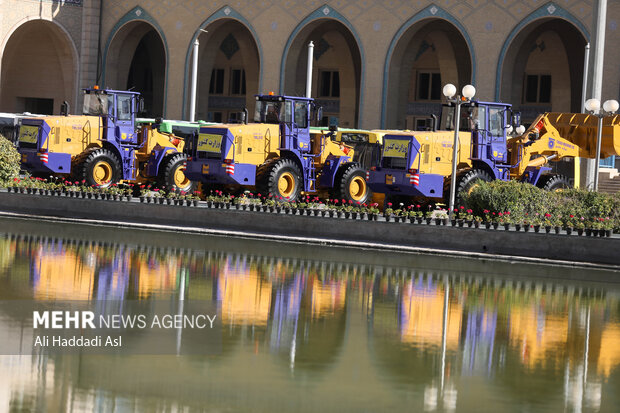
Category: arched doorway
[228,71]
[136,60]
[542,70]
[429,54]
[38,69]
[336,74]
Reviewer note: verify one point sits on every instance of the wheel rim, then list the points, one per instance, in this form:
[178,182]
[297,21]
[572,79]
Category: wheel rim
[102,172]
[180,180]
[472,187]
[357,188]
[286,184]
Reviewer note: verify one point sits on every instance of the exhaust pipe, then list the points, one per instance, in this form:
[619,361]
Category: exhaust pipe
[435,121]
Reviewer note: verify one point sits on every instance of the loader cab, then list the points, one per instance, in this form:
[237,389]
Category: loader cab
[487,123]
[293,116]
[118,111]
[473,117]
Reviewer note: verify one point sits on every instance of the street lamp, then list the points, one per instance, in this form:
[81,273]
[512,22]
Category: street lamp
[449,92]
[594,107]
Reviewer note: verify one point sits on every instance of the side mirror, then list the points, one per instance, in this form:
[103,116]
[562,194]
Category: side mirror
[516,119]
[141,105]
[319,113]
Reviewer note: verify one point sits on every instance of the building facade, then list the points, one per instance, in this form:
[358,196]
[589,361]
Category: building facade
[376,63]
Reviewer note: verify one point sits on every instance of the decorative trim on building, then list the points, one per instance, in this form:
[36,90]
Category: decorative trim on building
[138,14]
[225,12]
[423,109]
[548,10]
[431,12]
[329,105]
[327,12]
[226,102]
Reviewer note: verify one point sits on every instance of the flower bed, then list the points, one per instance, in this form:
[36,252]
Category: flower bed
[497,205]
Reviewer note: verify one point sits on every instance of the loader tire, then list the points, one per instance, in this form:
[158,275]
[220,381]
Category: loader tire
[100,167]
[282,178]
[172,176]
[465,182]
[553,182]
[350,184]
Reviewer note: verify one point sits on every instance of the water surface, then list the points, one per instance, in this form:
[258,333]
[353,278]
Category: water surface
[309,328]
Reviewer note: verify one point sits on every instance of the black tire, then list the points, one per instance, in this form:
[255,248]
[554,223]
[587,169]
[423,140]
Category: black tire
[465,182]
[350,184]
[553,182]
[100,167]
[171,175]
[277,173]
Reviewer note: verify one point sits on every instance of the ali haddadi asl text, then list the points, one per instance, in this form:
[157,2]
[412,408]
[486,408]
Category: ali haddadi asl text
[78,341]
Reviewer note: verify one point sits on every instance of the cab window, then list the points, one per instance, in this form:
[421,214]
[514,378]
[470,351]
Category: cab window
[301,114]
[496,121]
[124,107]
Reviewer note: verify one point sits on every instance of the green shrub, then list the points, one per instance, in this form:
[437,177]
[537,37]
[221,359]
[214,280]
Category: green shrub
[514,197]
[521,198]
[9,160]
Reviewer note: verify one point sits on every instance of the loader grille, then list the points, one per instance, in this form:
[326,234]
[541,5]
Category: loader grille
[394,163]
[208,155]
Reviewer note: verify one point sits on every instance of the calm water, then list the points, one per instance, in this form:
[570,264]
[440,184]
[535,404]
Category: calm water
[311,329]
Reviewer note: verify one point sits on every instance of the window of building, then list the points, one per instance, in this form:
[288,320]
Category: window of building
[216,87]
[237,82]
[214,117]
[537,89]
[429,86]
[40,106]
[329,83]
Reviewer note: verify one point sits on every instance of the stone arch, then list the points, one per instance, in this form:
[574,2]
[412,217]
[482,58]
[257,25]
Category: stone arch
[24,83]
[136,56]
[338,54]
[544,54]
[225,28]
[434,45]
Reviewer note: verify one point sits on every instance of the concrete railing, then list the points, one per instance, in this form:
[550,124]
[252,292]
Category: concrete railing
[382,235]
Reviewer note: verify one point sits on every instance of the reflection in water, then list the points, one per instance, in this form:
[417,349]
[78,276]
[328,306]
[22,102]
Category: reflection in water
[307,335]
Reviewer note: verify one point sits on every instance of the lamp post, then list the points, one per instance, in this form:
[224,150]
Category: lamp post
[594,107]
[449,92]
